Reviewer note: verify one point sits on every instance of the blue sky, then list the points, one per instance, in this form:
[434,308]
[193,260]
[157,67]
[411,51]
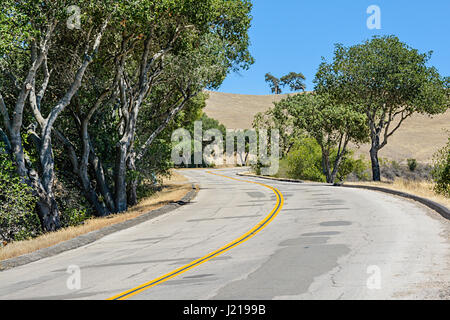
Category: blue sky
[293,35]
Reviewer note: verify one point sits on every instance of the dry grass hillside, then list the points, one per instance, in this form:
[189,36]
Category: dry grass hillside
[236,111]
[419,137]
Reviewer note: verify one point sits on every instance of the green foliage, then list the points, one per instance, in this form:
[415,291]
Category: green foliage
[360,168]
[192,45]
[207,124]
[327,122]
[441,170]
[295,81]
[210,123]
[351,165]
[412,164]
[387,81]
[274,83]
[333,126]
[18,220]
[73,217]
[256,167]
[280,119]
[383,75]
[305,161]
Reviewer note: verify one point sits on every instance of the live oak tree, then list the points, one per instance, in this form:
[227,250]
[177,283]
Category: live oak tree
[186,46]
[389,80]
[332,125]
[31,31]
[274,83]
[278,118]
[82,90]
[295,81]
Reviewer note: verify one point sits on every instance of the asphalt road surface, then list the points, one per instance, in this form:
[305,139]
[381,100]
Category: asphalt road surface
[263,240]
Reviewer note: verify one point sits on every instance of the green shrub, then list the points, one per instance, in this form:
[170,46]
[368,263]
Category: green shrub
[73,217]
[412,164]
[256,168]
[441,170]
[351,165]
[362,169]
[18,221]
[305,161]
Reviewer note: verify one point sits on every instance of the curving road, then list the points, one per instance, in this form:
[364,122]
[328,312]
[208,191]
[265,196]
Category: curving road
[263,240]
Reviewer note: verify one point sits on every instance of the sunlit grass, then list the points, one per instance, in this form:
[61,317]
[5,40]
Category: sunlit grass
[420,188]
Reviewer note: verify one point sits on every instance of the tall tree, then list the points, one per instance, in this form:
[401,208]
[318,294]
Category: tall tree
[389,80]
[125,58]
[274,83]
[280,119]
[295,81]
[333,126]
[34,28]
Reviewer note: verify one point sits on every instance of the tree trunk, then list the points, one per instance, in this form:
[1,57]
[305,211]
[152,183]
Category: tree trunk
[46,206]
[102,184]
[334,173]
[326,166]
[132,186]
[376,172]
[375,137]
[91,195]
[120,178]
[50,212]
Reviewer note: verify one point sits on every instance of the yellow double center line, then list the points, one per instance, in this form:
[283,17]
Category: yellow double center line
[256,229]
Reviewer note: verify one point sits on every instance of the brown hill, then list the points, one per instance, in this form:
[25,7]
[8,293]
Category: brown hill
[419,137]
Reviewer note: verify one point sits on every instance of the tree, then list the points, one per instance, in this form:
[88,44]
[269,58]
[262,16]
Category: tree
[333,126]
[34,29]
[17,218]
[278,118]
[274,83]
[294,80]
[389,80]
[441,170]
[128,57]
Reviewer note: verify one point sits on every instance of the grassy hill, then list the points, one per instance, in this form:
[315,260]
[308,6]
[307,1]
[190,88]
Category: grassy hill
[419,137]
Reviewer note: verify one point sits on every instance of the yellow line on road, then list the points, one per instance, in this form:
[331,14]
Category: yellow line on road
[256,229]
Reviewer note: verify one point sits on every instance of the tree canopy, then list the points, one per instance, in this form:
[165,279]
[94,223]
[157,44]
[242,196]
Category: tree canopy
[96,99]
[389,80]
[332,125]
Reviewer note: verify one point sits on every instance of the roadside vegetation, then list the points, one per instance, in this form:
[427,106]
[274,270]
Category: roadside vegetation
[171,189]
[88,107]
[87,110]
[363,96]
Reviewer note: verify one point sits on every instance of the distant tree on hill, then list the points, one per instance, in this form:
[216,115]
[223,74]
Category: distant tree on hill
[274,83]
[295,81]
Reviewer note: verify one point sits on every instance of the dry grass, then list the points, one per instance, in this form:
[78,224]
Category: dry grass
[175,188]
[419,188]
[236,111]
[419,137]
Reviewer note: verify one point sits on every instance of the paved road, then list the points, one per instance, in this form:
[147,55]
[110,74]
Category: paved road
[321,242]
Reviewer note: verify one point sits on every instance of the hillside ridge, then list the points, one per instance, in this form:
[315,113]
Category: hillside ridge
[419,137]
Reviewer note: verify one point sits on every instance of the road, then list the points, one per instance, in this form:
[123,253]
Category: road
[306,241]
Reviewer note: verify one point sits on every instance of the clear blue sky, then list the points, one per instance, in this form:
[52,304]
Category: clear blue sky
[293,35]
